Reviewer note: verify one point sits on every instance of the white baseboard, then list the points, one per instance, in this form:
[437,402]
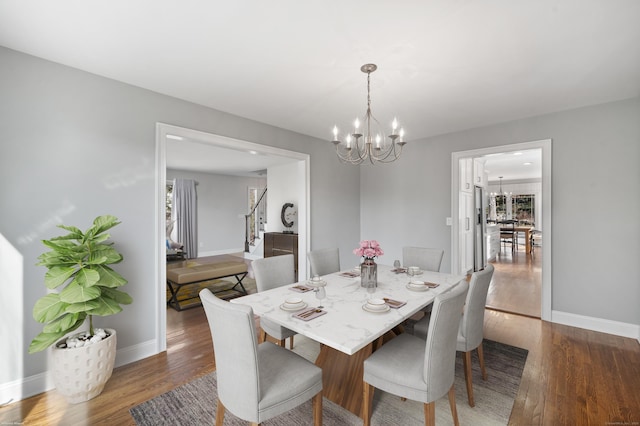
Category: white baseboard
[29,386]
[597,324]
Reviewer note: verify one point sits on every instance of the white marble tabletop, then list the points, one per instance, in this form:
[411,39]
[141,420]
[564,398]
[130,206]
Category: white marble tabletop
[346,326]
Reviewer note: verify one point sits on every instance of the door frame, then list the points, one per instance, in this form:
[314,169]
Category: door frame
[304,217]
[545,146]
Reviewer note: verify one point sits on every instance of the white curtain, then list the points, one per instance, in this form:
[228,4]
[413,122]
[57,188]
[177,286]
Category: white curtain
[185,214]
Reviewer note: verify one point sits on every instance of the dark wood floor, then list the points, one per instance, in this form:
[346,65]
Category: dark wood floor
[517,282]
[572,376]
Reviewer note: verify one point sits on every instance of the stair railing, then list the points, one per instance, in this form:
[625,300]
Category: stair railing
[247,218]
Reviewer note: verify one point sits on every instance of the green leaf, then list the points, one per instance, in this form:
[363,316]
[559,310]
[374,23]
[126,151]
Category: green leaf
[87,277]
[73,232]
[43,340]
[48,308]
[64,323]
[106,307]
[52,258]
[102,223]
[109,277]
[117,295]
[58,275]
[109,254]
[76,293]
[86,307]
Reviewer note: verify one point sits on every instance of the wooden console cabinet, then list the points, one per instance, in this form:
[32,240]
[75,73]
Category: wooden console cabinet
[278,243]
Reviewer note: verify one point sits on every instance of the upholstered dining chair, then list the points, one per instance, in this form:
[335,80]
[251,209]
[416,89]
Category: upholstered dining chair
[428,259]
[272,272]
[411,368]
[470,331]
[256,381]
[324,261]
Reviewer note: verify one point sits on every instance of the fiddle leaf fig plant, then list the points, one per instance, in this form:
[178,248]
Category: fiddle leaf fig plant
[79,263]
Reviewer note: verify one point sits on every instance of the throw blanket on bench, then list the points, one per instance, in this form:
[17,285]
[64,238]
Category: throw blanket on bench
[195,273]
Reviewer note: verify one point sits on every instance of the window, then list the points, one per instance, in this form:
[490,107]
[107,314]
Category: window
[523,207]
[168,200]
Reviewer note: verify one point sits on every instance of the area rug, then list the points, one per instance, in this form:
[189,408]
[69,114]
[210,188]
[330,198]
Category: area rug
[195,402]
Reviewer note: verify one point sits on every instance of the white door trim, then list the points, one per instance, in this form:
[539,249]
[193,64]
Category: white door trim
[545,145]
[304,216]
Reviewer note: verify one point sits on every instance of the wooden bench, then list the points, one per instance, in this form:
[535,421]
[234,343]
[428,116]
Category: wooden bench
[195,273]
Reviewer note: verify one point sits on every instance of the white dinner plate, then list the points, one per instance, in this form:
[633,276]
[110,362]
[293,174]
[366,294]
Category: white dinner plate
[416,273]
[297,308]
[376,311]
[414,288]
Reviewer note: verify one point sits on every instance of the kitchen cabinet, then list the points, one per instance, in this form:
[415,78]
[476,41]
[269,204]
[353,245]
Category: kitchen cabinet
[466,246]
[493,241]
[479,176]
[466,175]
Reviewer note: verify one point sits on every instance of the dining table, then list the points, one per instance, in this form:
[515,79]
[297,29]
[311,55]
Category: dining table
[526,230]
[347,331]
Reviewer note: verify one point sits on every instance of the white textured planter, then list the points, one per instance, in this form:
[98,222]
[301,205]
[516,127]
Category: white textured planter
[81,373]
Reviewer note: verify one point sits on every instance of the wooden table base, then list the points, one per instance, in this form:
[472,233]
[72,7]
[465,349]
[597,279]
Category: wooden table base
[342,374]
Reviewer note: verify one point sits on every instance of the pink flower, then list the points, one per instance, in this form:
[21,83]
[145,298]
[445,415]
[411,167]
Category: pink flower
[368,249]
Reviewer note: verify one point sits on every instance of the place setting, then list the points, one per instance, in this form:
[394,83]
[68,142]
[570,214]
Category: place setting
[417,285]
[354,273]
[301,288]
[376,306]
[293,304]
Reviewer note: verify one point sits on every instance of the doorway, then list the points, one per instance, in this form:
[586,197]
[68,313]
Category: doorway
[544,252]
[302,195]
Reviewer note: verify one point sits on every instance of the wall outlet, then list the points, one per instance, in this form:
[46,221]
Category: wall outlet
[448,221]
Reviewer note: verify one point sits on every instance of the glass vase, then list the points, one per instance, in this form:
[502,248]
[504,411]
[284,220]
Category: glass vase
[368,273]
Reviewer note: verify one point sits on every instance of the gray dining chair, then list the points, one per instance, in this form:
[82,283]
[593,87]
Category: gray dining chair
[256,381]
[428,259]
[411,368]
[471,328]
[272,272]
[324,261]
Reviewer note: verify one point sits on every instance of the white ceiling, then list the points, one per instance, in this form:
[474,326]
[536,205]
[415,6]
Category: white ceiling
[443,65]
[514,165]
[197,156]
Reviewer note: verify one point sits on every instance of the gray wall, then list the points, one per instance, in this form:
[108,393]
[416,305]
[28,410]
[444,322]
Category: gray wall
[595,202]
[74,146]
[221,201]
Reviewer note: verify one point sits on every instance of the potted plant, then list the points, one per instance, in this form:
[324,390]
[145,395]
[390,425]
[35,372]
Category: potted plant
[78,266]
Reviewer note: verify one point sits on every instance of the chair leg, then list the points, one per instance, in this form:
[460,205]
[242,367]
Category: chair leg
[281,343]
[291,342]
[367,401]
[220,413]
[264,336]
[452,403]
[430,413]
[466,361]
[317,409]
[481,359]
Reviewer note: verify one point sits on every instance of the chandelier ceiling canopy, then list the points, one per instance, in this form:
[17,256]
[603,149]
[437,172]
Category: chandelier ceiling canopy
[369,142]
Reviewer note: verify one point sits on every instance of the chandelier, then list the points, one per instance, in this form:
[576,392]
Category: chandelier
[367,143]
